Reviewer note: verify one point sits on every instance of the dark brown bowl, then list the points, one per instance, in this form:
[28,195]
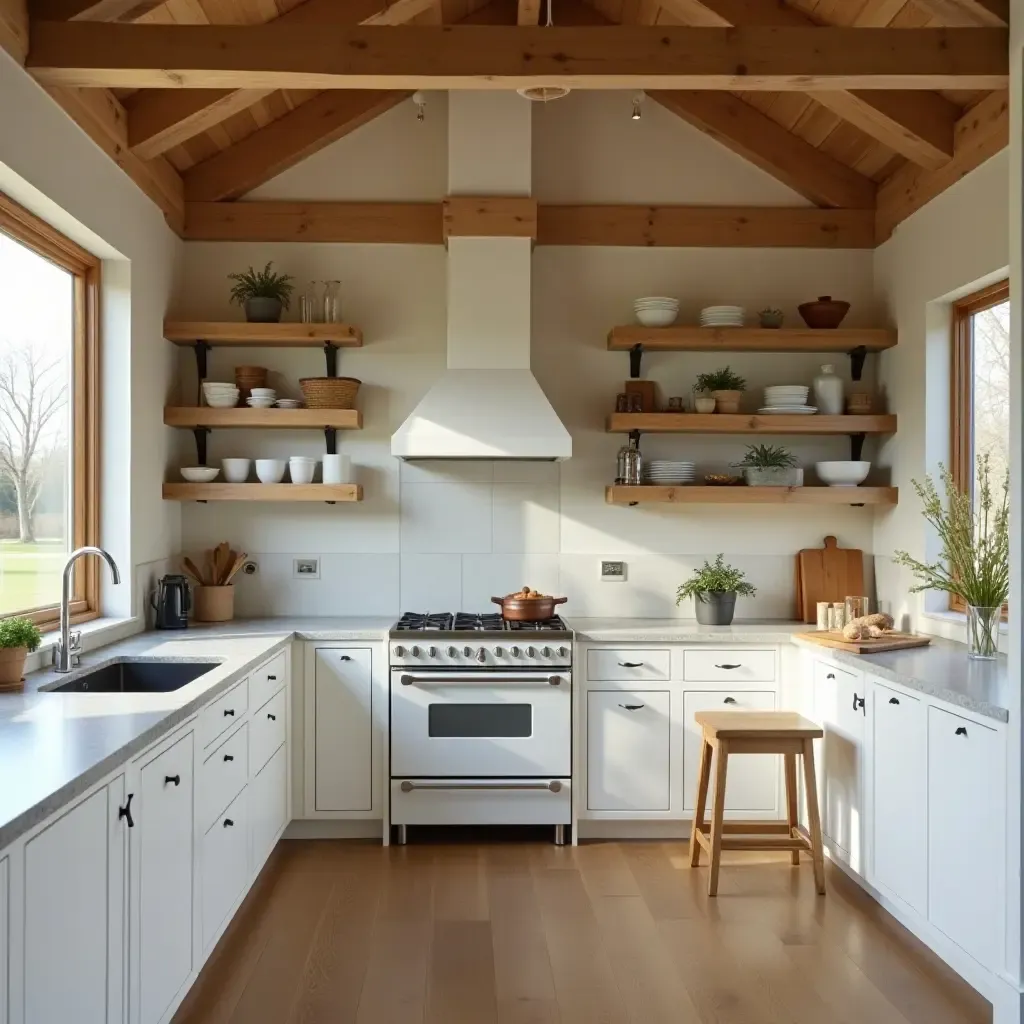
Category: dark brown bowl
[528,609]
[825,314]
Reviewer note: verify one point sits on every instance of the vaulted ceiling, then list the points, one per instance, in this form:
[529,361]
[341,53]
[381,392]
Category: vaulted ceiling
[839,148]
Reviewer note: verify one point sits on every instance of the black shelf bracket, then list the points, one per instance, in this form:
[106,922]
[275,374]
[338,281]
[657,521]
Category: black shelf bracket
[201,435]
[331,353]
[202,350]
[857,357]
[856,446]
[331,438]
[636,354]
[634,436]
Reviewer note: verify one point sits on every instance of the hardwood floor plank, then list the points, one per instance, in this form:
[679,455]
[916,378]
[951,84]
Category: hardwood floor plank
[522,968]
[670,893]
[460,885]
[460,983]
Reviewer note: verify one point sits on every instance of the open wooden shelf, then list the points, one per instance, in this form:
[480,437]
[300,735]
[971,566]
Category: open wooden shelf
[680,338]
[262,492]
[248,335]
[270,419]
[740,495]
[744,423]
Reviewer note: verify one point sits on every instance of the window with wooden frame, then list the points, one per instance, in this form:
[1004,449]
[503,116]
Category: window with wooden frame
[49,417]
[980,399]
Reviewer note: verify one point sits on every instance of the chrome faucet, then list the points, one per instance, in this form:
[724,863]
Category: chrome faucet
[67,650]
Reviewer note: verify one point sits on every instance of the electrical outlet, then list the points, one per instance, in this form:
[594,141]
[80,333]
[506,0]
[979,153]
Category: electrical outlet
[613,572]
[306,568]
[250,568]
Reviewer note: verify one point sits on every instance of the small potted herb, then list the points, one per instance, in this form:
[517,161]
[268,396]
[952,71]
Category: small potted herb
[771,318]
[262,294]
[725,387]
[18,638]
[714,589]
[765,465]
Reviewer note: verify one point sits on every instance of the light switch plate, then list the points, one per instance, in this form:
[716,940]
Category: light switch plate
[613,572]
[306,568]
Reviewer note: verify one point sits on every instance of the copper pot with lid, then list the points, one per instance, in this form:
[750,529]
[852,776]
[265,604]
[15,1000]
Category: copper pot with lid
[528,606]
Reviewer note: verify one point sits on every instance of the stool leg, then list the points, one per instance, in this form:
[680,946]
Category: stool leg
[813,820]
[717,815]
[703,778]
[790,762]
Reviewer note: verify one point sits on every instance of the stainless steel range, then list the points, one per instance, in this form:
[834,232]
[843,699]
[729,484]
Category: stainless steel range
[481,722]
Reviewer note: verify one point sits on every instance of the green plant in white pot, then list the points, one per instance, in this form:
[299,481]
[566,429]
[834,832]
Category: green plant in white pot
[18,638]
[974,563]
[263,294]
[713,588]
[765,465]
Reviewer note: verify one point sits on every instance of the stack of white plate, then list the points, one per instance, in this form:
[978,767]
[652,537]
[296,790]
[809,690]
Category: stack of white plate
[669,473]
[289,403]
[656,310]
[722,316]
[787,398]
[220,396]
[261,398]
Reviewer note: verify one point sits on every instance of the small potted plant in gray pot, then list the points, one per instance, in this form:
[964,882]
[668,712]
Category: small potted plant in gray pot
[714,589]
[263,294]
[725,387]
[18,638]
[766,465]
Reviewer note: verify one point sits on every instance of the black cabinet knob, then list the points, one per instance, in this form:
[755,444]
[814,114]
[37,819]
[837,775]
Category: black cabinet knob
[961,730]
[229,757]
[858,703]
[272,679]
[229,712]
[729,700]
[176,779]
[831,675]
[228,823]
[126,812]
[345,657]
[893,700]
[273,718]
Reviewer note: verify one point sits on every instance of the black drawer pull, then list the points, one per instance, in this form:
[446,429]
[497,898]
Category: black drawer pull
[176,779]
[858,702]
[831,675]
[961,730]
[126,812]
[273,718]
[631,707]
[229,757]
[729,666]
[893,700]
[631,664]
[729,700]
[344,657]
[228,823]
[272,679]
[229,711]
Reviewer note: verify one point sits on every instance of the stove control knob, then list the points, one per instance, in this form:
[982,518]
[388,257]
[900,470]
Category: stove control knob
[452,652]
[531,652]
[499,652]
[415,652]
[433,652]
[562,652]
[514,651]
[467,651]
[399,650]
[545,652]
[481,655]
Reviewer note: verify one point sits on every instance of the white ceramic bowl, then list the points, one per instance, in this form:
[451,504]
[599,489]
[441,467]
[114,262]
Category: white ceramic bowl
[301,470]
[260,403]
[225,402]
[842,474]
[656,317]
[268,394]
[270,471]
[236,471]
[200,474]
[288,403]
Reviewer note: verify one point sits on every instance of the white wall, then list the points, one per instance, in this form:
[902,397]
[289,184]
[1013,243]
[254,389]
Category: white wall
[444,536]
[49,165]
[954,245]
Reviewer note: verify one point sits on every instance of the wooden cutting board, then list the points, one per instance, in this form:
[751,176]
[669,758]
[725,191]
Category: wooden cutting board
[830,573]
[890,642]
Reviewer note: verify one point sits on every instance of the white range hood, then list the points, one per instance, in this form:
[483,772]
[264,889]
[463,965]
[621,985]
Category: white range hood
[487,404]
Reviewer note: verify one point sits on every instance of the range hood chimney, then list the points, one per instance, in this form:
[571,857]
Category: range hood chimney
[487,404]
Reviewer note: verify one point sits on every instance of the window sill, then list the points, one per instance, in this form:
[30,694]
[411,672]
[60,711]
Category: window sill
[96,633]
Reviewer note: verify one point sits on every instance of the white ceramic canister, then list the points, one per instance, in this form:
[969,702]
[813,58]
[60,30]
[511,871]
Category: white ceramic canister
[337,469]
[828,392]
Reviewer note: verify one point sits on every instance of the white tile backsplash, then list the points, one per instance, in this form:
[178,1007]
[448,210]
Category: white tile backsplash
[446,518]
[487,576]
[431,582]
[525,518]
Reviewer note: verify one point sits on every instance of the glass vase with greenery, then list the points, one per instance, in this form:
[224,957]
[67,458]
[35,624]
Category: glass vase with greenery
[714,588]
[974,561]
[262,293]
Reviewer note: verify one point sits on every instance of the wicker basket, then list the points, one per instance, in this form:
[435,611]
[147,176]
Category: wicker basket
[330,392]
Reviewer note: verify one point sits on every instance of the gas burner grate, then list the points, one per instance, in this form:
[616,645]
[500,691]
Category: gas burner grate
[416,621]
[487,621]
[544,625]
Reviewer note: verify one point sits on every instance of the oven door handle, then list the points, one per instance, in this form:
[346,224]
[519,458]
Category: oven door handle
[408,680]
[551,787]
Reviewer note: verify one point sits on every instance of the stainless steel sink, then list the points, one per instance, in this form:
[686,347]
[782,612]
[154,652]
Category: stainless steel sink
[137,677]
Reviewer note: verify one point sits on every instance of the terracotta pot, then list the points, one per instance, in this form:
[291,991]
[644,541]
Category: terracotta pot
[825,314]
[12,668]
[727,401]
[213,604]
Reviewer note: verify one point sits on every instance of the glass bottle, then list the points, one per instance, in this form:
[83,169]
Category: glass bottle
[332,302]
[310,306]
[828,392]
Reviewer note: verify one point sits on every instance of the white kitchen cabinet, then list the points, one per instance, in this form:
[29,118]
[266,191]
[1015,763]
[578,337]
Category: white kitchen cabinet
[965,833]
[631,665]
[628,748]
[339,731]
[840,705]
[225,866]
[5,926]
[162,870]
[899,806]
[752,785]
[74,900]
[268,807]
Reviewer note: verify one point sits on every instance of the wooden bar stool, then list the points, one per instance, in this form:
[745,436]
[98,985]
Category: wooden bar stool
[755,732]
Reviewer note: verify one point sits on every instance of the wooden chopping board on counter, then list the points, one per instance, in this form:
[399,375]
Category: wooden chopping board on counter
[892,641]
[830,573]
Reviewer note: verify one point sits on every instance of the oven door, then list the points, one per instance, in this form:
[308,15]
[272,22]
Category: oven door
[481,725]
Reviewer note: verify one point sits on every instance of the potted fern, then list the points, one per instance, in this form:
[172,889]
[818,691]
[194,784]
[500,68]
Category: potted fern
[18,638]
[974,563]
[713,588]
[263,294]
[724,386]
[765,465]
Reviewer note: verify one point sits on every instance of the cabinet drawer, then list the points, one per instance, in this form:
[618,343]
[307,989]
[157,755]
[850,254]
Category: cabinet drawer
[268,807]
[224,712]
[268,679]
[223,776]
[225,865]
[734,666]
[830,675]
[267,730]
[451,805]
[629,665]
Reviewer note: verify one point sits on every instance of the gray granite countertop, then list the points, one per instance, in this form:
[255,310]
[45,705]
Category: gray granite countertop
[684,631]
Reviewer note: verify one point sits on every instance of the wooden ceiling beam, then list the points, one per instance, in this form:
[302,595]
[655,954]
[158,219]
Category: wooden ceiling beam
[473,57]
[528,12]
[968,12]
[14,28]
[756,137]
[283,143]
[92,10]
[981,133]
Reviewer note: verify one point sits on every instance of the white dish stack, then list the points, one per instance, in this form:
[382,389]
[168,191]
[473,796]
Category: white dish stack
[789,399]
[261,398]
[722,316]
[220,396]
[656,310]
[669,473]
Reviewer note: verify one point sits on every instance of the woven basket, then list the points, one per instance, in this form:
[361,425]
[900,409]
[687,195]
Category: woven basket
[330,392]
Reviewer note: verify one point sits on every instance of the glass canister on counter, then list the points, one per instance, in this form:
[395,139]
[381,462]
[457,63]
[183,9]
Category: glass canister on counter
[629,467]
